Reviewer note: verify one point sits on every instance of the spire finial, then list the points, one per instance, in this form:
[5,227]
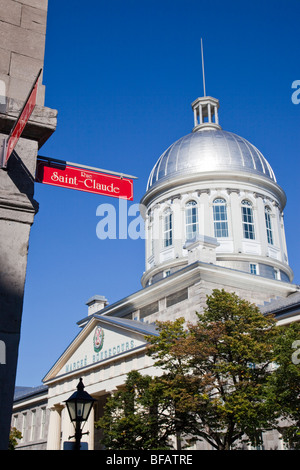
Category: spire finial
[205,108]
[203,73]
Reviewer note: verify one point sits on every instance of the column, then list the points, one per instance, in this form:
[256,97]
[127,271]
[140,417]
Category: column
[54,428]
[209,112]
[204,214]
[90,428]
[236,221]
[147,237]
[21,57]
[279,230]
[67,427]
[195,117]
[17,211]
[200,115]
[261,231]
[156,233]
[216,115]
[178,226]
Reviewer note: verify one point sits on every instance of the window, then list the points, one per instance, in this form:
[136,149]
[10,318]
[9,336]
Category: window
[220,218]
[168,228]
[15,421]
[248,221]
[253,268]
[167,273]
[276,273]
[148,310]
[43,423]
[191,219]
[33,423]
[23,430]
[177,297]
[268,225]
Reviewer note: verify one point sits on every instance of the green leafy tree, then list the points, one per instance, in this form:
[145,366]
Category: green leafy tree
[136,416]
[285,383]
[224,379]
[217,370]
[14,436]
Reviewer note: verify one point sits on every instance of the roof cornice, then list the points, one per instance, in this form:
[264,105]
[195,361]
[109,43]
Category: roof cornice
[179,183]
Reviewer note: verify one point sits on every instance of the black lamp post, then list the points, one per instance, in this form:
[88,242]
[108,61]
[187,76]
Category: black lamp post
[79,406]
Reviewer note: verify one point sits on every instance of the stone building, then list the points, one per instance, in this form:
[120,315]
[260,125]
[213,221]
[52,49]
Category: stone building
[31,417]
[22,45]
[213,219]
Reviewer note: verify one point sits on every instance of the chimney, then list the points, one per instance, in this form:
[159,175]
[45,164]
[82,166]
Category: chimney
[96,303]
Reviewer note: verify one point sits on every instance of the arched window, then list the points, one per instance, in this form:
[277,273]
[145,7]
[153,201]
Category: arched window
[220,218]
[168,228]
[248,221]
[191,220]
[268,225]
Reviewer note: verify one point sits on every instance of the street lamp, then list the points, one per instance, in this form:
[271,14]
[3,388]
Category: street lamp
[79,406]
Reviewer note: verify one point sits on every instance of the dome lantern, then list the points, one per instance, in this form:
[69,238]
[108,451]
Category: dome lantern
[206,113]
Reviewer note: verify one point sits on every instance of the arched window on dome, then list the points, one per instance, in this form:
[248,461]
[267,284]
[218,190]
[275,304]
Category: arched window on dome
[268,225]
[248,220]
[168,228]
[191,220]
[220,218]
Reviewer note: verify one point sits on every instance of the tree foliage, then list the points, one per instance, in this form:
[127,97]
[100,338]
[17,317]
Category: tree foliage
[217,382]
[224,359]
[285,383]
[135,416]
[14,436]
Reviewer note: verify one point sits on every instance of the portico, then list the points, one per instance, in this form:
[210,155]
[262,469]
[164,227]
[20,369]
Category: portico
[110,349]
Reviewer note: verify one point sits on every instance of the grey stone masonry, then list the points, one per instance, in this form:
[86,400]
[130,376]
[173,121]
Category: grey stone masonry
[22,47]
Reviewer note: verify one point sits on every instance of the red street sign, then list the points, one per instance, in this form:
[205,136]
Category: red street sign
[21,121]
[82,179]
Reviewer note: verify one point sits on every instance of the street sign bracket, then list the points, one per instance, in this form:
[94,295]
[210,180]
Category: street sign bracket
[32,92]
[85,178]
[84,167]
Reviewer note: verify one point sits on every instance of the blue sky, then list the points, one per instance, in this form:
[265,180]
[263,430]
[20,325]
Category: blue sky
[122,75]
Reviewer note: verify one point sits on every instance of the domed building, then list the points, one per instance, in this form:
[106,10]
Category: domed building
[213,220]
[212,196]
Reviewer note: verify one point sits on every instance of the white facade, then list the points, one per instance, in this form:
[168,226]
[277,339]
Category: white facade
[235,198]
[103,371]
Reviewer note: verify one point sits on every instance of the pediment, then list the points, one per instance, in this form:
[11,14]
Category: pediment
[102,340]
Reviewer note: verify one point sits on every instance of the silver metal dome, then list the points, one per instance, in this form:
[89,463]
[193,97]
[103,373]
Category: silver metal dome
[209,150]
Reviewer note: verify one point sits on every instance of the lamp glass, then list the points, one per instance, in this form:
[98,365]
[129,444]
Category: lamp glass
[72,410]
[79,404]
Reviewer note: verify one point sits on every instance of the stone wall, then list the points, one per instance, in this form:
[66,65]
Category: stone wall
[22,47]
